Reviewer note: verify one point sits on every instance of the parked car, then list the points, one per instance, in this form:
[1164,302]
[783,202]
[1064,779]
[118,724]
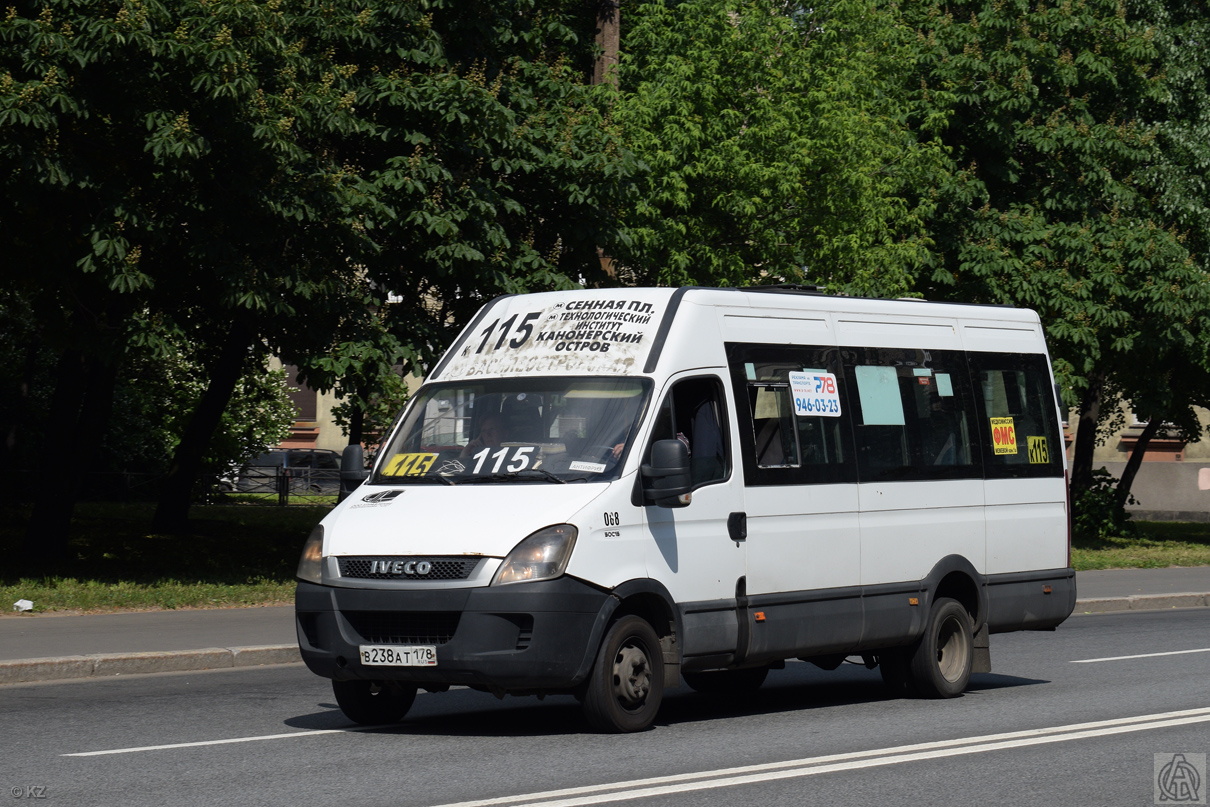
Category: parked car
[309,470]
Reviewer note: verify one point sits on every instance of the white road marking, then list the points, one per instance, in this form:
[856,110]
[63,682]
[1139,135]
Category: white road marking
[288,736]
[811,766]
[1141,655]
[749,774]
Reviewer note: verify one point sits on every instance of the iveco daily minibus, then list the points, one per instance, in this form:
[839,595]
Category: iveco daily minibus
[604,492]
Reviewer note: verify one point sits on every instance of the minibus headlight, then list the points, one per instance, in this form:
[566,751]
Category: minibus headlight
[541,556]
[310,565]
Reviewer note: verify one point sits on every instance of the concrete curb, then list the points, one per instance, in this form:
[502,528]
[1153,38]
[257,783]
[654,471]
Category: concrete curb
[98,665]
[1142,602]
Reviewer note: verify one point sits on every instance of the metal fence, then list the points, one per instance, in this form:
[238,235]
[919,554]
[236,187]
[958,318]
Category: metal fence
[282,485]
[273,487]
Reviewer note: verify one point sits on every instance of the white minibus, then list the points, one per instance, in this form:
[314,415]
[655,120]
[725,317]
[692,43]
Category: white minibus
[605,491]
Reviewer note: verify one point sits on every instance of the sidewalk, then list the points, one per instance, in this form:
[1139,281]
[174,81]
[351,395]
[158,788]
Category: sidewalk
[46,647]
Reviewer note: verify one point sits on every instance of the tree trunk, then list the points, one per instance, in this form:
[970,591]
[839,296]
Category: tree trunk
[172,510]
[79,418]
[608,38]
[14,451]
[1086,436]
[49,526]
[1136,459]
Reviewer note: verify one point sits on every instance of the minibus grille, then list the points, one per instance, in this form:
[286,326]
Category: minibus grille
[407,568]
[394,627]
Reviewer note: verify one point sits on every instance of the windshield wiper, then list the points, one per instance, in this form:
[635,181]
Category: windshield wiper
[528,474]
[403,480]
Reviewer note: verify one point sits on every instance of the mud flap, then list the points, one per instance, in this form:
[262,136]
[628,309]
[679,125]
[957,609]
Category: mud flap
[672,662]
[982,660]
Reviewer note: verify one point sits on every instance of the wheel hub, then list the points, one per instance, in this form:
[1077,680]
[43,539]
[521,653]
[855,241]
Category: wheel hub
[951,650]
[631,676]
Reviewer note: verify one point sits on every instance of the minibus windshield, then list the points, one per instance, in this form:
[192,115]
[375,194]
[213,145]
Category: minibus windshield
[515,430]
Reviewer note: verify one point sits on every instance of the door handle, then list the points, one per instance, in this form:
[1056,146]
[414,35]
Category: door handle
[737,526]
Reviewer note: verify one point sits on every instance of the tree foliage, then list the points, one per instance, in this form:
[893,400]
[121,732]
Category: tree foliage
[190,186]
[494,165]
[252,177]
[152,403]
[1051,114]
[776,145]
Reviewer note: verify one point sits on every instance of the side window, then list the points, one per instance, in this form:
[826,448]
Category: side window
[795,429]
[1018,421]
[694,412]
[773,425]
[915,415]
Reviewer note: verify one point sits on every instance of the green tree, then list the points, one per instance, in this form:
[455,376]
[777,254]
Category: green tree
[254,178]
[365,371]
[157,394]
[1050,115]
[496,167]
[776,141]
[168,176]
[1177,380]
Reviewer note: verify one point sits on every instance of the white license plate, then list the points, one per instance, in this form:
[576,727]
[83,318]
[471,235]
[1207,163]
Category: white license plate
[393,655]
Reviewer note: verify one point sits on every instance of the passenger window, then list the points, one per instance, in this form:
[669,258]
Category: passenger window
[915,417]
[1018,420]
[795,428]
[693,412]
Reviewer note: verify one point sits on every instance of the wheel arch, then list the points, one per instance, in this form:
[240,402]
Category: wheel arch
[956,577]
[650,600]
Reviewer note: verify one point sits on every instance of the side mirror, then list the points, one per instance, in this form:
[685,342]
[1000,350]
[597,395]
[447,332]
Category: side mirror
[352,470]
[666,479]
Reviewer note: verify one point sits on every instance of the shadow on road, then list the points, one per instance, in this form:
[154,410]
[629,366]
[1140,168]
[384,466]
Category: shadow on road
[800,687]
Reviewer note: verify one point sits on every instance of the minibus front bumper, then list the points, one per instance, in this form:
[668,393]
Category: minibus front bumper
[523,637]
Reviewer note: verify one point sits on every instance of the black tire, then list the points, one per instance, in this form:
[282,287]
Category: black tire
[373,703]
[626,685]
[727,682]
[941,662]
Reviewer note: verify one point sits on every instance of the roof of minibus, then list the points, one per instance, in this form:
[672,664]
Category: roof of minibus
[622,330]
[801,299]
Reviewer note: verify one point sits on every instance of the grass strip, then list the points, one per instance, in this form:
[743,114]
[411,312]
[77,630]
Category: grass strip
[1155,545]
[230,556]
[71,594]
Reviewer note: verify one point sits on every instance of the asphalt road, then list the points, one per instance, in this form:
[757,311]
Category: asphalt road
[1062,720]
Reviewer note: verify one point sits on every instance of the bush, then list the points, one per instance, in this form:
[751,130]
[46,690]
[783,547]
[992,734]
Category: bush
[1096,512]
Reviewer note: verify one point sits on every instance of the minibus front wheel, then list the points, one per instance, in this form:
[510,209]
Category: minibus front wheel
[626,685]
[373,703]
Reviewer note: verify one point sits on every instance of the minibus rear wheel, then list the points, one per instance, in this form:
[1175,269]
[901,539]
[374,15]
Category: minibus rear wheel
[626,685]
[941,662]
[373,703]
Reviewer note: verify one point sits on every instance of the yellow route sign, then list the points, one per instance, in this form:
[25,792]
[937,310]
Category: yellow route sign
[410,464]
[1004,436]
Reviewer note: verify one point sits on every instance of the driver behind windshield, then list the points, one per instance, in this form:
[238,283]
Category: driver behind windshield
[491,434]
